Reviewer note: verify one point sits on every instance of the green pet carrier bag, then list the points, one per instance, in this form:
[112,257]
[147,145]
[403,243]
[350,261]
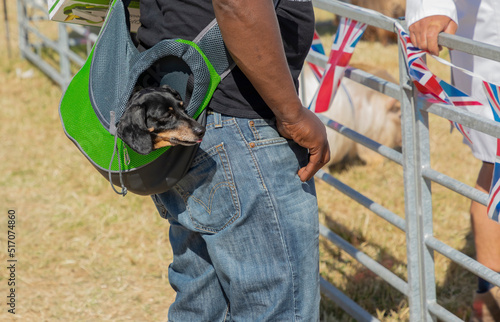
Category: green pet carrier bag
[96,98]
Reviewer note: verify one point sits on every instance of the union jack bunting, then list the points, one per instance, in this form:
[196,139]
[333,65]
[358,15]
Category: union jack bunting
[492,92]
[429,84]
[317,46]
[348,34]
[460,99]
[494,196]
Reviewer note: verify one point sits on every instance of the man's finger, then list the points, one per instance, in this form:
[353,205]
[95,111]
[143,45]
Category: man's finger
[413,38]
[422,42]
[316,162]
[432,43]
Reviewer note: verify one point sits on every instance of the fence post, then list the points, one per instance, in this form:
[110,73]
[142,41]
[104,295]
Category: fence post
[21,18]
[64,62]
[418,206]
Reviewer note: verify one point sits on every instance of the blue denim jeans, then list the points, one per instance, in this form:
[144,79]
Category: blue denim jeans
[243,228]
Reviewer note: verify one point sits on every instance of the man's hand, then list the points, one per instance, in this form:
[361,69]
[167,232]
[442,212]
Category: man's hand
[309,132]
[251,33]
[424,33]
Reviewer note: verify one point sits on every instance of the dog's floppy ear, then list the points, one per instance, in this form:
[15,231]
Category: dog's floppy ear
[132,130]
[167,87]
[172,91]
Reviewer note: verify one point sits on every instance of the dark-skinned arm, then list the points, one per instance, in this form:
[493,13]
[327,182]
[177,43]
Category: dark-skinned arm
[251,33]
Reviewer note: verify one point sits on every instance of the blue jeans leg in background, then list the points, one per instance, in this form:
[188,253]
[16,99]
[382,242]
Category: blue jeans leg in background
[243,228]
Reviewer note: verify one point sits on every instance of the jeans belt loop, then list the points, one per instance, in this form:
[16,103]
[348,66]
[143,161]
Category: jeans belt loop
[217,120]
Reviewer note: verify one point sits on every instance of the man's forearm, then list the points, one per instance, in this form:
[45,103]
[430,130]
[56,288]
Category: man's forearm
[251,33]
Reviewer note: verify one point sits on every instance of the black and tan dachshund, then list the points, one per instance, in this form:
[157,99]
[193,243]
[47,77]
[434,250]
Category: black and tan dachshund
[155,118]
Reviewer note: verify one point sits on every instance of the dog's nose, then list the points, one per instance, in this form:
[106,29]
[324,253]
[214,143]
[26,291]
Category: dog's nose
[199,131]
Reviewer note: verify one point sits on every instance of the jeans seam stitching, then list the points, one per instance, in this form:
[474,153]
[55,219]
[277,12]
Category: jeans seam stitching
[230,181]
[270,142]
[253,157]
[227,313]
[286,250]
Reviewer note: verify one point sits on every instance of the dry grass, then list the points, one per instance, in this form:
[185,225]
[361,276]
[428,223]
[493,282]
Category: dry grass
[86,254]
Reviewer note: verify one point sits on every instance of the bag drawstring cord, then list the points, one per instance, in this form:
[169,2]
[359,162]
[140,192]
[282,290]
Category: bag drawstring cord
[115,148]
[123,191]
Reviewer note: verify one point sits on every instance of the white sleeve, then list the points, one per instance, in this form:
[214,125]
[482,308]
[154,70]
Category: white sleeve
[418,9]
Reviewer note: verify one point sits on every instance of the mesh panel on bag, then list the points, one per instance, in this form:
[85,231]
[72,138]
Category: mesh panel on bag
[108,71]
[214,48]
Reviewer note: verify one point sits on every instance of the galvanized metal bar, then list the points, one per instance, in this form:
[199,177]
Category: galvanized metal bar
[64,63]
[465,118]
[352,308]
[463,260]
[317,59]
[7,29]
[413,205]
[376,83]
[61,45]
[302,87]
[383,150]
[83,31]
[41,8]
[425,222]
[44,67]
[388,276]
[367,16]
[469,46]
[55,45]
[360,76]
[378,209]
[22,22]
[455,185]
[442,313]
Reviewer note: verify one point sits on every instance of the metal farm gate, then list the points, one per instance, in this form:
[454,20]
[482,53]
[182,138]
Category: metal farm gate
[418,175]
[420,288]
[59,58]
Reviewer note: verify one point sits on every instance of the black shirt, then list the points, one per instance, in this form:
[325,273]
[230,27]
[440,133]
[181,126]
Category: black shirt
[235,95]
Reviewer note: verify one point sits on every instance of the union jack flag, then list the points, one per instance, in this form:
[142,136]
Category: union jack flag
[317,46]
[348,34]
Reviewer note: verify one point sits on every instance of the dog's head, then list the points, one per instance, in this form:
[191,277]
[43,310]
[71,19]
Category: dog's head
[155,118]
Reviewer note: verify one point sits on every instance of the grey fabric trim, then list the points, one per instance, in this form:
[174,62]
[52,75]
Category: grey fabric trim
[204,31]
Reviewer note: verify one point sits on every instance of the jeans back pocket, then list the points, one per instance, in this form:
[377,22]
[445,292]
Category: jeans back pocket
[208,193]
